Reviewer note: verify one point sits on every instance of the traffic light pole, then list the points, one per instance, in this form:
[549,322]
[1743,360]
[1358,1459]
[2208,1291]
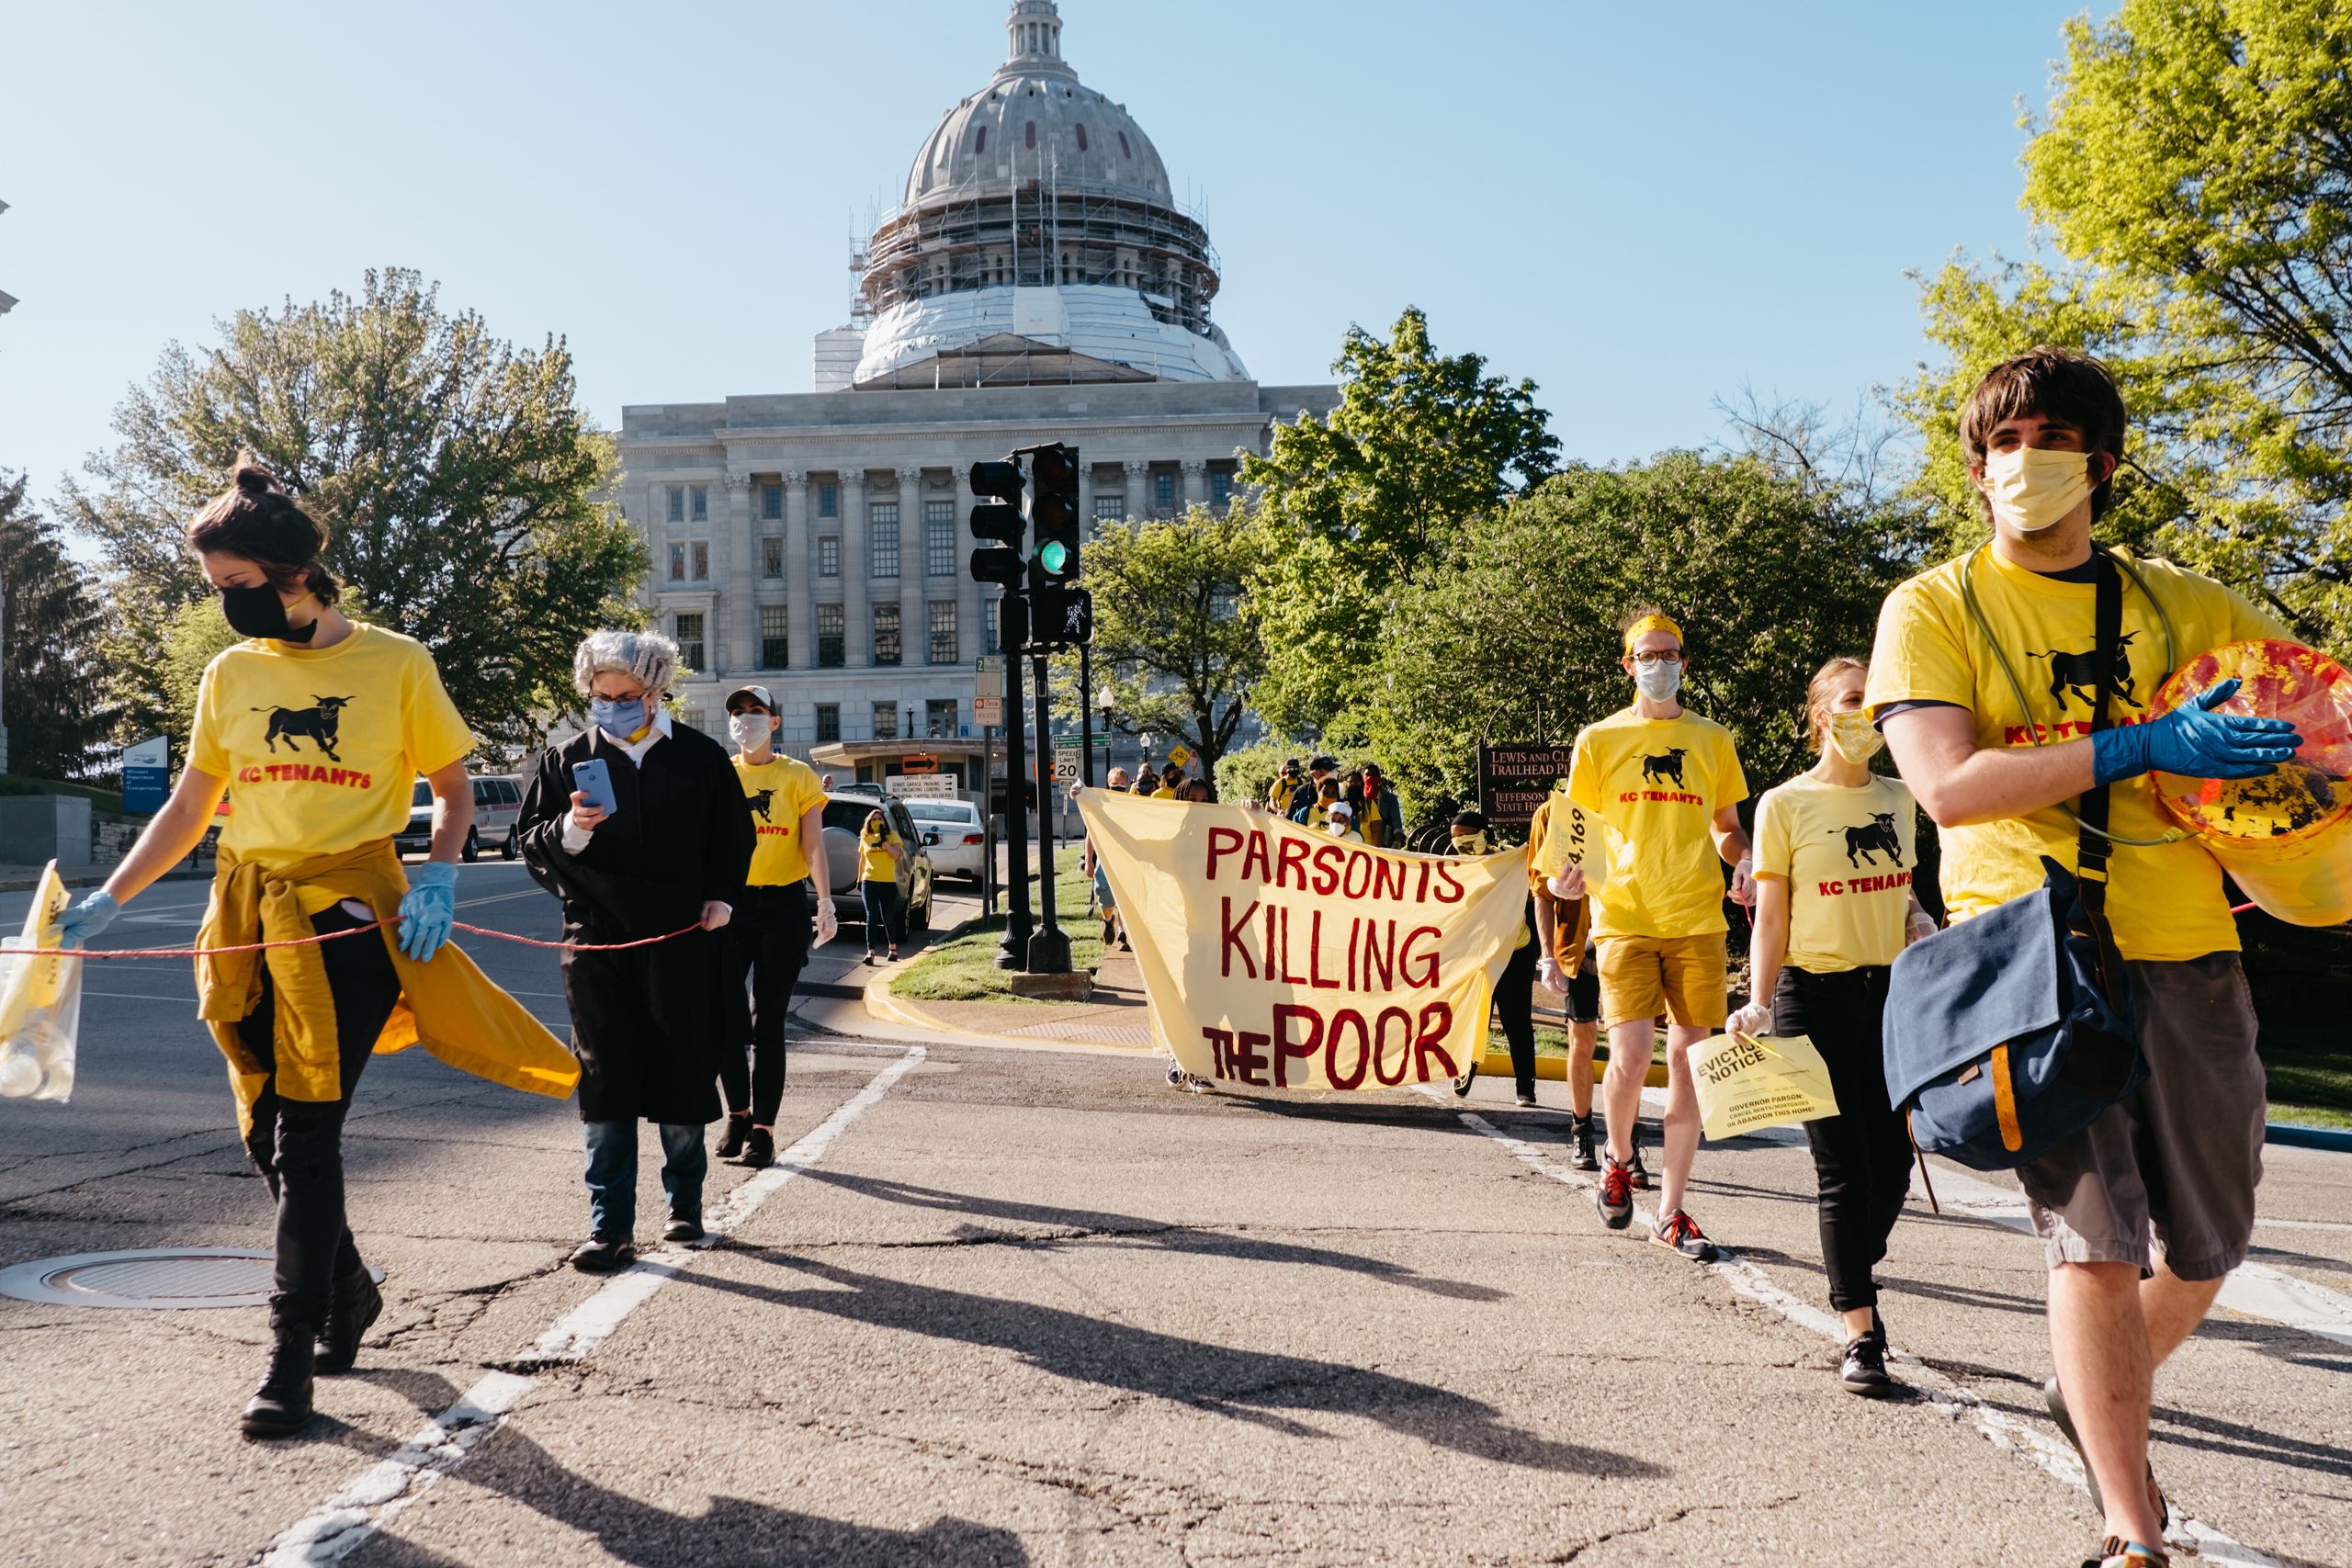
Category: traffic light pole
[1049,948]
[1086,713]
[1012,633]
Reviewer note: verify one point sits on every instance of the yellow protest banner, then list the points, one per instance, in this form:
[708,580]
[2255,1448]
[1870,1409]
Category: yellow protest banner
[1746,1081]
[1279,958]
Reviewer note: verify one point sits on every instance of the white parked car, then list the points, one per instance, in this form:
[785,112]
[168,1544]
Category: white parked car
[498,808]
[951,833]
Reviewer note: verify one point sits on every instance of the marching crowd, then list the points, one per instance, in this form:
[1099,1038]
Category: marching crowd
[692,885]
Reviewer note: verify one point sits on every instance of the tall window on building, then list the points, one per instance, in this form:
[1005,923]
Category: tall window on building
[939,717]
[885,634]
[685,630]
[885,721]
[773,643]
[1163,491]
[702,560]
[1110,508]
[882,538]
[995,614]
[700,495]
[829,720]
[677,503]
[771,557]
[1220,487]
[943,650]
[771,502]
[939,538]
[829,500]
[696,718]
[677,563]
[830,640]
[828,555]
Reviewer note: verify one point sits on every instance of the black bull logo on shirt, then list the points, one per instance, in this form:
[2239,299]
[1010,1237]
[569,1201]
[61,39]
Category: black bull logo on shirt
[321,724]
[760,800]
[1875,835]
[1668,765]
[2078,673]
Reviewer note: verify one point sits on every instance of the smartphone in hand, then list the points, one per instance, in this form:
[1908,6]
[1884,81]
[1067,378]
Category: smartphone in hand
[593,778]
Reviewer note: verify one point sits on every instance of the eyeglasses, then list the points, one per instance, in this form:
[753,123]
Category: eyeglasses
[1659,656]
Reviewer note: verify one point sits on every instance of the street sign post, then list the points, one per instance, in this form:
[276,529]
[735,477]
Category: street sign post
[988,691]
[146,776]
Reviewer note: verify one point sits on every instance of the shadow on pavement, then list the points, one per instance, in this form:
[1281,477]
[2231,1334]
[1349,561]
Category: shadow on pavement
[1154,1235]
[1247,1385]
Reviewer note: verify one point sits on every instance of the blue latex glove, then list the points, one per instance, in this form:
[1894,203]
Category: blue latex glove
[85,920]
[2195,742]
[428,908]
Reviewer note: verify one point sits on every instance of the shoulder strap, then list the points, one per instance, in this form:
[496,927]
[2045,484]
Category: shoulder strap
[2092,848]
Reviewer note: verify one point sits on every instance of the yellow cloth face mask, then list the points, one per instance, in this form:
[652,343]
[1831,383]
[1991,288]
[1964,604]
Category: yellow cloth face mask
[1856,738]
[2032,490]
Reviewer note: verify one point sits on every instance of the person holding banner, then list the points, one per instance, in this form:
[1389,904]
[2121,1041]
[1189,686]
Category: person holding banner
[1834,904]
[1668,784]
[1515,992]
[316,725]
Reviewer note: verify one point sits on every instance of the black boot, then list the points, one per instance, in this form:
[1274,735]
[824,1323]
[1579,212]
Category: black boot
[281,1405]
[738,1127]
[1584,1157]
[356,1302]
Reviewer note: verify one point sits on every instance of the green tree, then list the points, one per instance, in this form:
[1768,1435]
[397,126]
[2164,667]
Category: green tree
[455,473]
[197,635]
[1517,639]
[2193,174]
[1169,637]
[1354,505]
[48,618]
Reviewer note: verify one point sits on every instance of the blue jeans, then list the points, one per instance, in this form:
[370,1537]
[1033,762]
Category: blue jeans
[612,1173]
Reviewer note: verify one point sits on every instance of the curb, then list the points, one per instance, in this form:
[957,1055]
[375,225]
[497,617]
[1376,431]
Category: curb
[2294,1134]
[880,1004]
[1554,1069]
[86,877]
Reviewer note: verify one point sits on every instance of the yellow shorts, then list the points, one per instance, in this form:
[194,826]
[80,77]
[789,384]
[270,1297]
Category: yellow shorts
[1682,977]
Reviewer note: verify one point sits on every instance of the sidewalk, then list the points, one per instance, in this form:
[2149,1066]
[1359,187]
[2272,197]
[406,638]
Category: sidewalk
[24,878]
[1114,1018]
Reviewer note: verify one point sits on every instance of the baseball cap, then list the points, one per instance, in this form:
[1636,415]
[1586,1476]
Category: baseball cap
[1290,764]
[760,694]
[1323,764]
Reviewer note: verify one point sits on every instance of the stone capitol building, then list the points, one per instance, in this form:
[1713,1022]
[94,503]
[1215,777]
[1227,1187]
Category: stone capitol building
[1039,283]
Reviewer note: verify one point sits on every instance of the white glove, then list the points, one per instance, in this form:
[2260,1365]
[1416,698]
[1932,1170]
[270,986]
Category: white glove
[716,914]
[1743,882]
[1548,971]
[828,925]
[1753,1018]
[1923,926]
[1569,884]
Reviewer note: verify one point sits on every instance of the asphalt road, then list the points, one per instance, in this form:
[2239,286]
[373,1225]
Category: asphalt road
[1036,1307]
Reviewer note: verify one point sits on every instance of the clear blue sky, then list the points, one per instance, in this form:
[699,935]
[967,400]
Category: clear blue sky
[1641,206]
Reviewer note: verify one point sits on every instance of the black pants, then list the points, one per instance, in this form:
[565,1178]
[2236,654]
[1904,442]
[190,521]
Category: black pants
[297,1145]
[881,900]
[767,945]
[1515,1001]
[1862,1155]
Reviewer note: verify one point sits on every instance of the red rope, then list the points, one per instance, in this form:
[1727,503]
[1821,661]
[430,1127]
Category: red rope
[12,951]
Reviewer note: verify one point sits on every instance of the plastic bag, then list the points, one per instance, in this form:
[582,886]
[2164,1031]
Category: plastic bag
[1746,1082]
[1572,836]
[40,1003]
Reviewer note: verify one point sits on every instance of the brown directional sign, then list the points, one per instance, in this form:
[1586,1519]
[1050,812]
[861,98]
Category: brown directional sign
[1515,776]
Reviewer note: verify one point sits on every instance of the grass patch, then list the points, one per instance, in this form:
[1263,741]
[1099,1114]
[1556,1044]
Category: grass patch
[963,970]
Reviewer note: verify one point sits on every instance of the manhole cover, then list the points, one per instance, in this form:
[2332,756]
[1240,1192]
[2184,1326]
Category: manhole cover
[149,1278]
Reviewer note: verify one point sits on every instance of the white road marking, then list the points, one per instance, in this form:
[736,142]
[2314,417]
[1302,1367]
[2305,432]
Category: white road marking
[2051,1452]
[358,1512]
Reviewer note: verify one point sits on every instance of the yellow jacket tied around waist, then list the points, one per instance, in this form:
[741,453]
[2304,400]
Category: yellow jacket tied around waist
[448,1005]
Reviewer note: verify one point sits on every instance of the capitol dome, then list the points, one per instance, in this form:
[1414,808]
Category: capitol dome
[1039,240]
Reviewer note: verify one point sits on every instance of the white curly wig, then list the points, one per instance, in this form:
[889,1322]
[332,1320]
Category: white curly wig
[648,658]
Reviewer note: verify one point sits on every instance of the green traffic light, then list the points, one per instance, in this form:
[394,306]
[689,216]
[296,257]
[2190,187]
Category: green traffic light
[1053,554]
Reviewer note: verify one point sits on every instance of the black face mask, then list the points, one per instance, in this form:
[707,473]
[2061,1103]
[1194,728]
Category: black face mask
[257,611]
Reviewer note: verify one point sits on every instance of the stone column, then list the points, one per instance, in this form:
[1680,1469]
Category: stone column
[857,614]
[800,573]
[1085,499]
[914,644]
[971,617]
[1138,472]
[1196,481]
[738,609]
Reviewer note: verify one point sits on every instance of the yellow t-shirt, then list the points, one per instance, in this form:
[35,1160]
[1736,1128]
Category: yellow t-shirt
[2166,902]
[1657,783]
[1846,853]
[875,862]
[322,747]
[781,791]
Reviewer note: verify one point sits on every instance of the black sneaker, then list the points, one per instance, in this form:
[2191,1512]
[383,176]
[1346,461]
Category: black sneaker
[603,1254]
[1614,1196]
[1639,1171]
[739,1126]
[1462,1084]
[1864,1371]
[1584,1159]
[684,1225]
[759,1149]
[1681,1232]
[1527,1099]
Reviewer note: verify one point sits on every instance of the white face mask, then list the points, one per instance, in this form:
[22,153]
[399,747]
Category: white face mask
[2032,490]
[1660,681]
[751,730]
[1855,737]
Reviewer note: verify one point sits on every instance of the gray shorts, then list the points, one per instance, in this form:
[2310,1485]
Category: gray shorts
[2182,1157]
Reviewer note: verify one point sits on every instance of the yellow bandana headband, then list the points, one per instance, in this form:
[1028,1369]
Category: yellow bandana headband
[1647,625]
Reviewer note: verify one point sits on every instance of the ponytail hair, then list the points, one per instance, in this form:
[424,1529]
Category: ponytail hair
[255,518]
